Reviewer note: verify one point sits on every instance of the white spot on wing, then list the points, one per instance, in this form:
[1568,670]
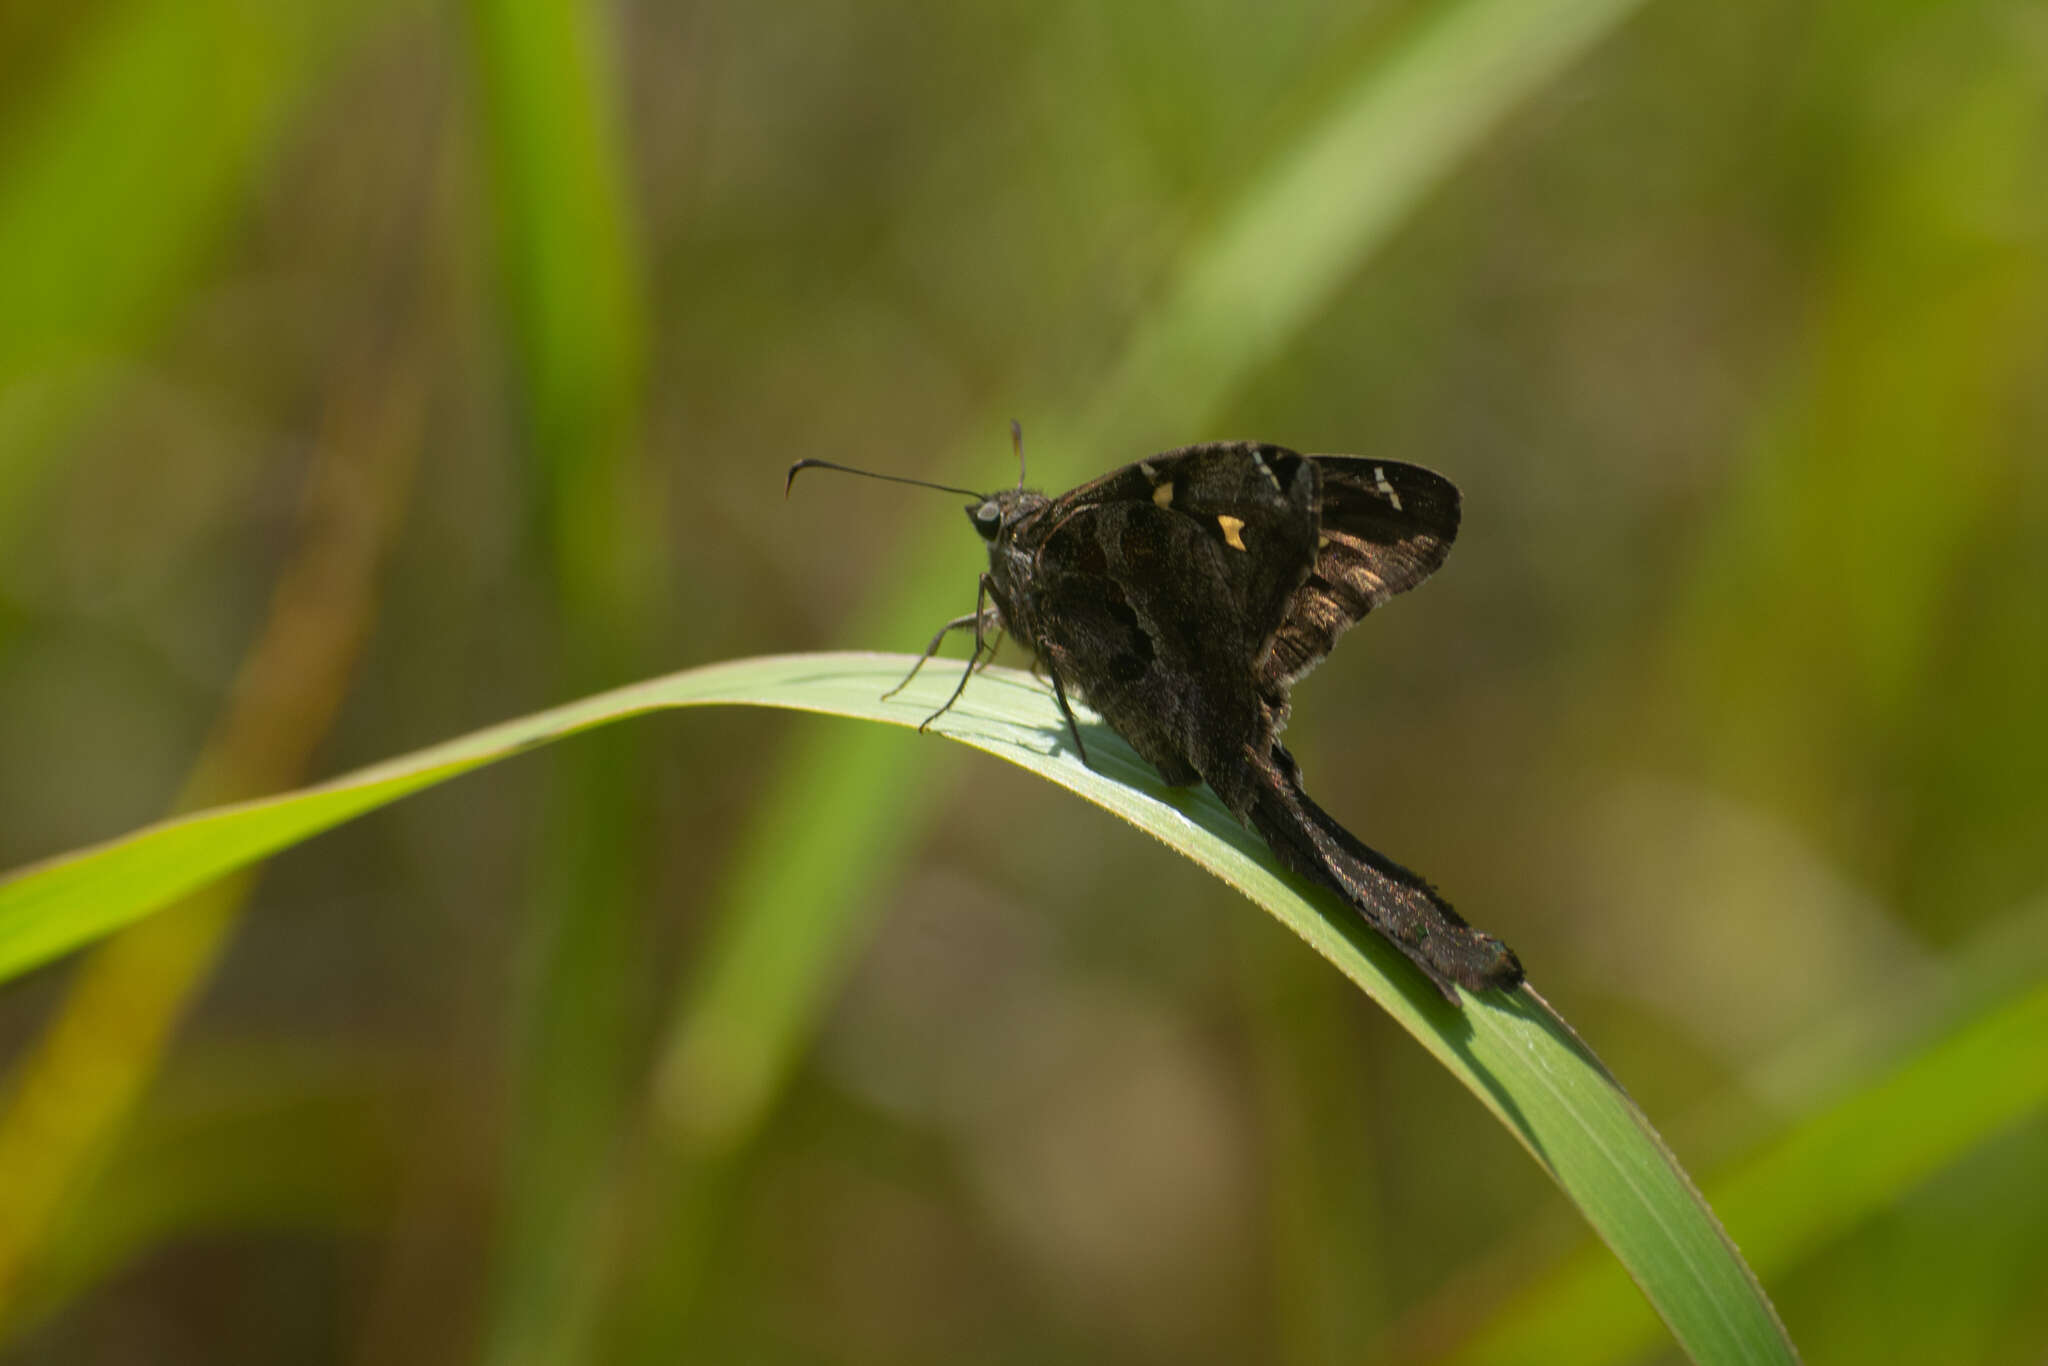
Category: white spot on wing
[1259,459]
[1163,495]
[1379,476]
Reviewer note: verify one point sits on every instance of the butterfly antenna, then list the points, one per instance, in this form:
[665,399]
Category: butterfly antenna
[869,474]
[1017,444]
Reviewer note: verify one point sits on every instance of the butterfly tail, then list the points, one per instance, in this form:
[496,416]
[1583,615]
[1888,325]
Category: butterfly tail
[1400,905]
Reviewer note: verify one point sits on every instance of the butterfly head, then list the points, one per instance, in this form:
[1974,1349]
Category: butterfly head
[1001,511]
[987,516]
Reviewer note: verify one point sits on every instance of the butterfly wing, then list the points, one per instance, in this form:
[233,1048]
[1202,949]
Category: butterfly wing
[1385,527]
[1161,586]
[1186,593]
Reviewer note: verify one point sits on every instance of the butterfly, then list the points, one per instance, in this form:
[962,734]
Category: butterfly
[1184,595]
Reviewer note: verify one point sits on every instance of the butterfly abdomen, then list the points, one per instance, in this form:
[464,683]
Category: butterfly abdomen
[1397,903]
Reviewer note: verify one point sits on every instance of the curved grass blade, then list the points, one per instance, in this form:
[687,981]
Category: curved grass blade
[1511,1052]
[1814,1182]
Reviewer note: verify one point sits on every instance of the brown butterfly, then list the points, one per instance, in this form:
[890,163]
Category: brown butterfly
[1183,596]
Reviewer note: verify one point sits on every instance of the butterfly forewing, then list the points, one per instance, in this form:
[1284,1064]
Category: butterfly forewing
[1253,502]
[1386,527]
[1155,593]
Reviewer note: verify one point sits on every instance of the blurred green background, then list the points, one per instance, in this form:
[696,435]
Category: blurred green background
[373,371]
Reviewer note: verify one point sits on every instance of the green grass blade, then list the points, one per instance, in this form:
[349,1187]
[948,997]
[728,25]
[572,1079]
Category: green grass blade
[1295,236]
[570,271]
[1510,1052]
[1813,1183]
[121,176]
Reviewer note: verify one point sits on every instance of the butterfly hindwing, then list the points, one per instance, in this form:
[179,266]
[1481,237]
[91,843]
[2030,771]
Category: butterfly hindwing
[1385,527]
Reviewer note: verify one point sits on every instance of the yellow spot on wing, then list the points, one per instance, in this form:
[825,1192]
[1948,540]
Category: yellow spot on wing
[1163,495]
[1231,526]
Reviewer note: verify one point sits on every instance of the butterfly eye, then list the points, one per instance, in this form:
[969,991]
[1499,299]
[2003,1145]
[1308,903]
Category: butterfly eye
[987,518]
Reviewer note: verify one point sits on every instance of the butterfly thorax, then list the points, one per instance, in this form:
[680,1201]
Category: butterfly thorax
[1009,521]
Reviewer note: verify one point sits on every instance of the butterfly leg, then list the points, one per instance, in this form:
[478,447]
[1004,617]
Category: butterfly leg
[995,643]
[1059,693]
[982,619]
[956,624]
